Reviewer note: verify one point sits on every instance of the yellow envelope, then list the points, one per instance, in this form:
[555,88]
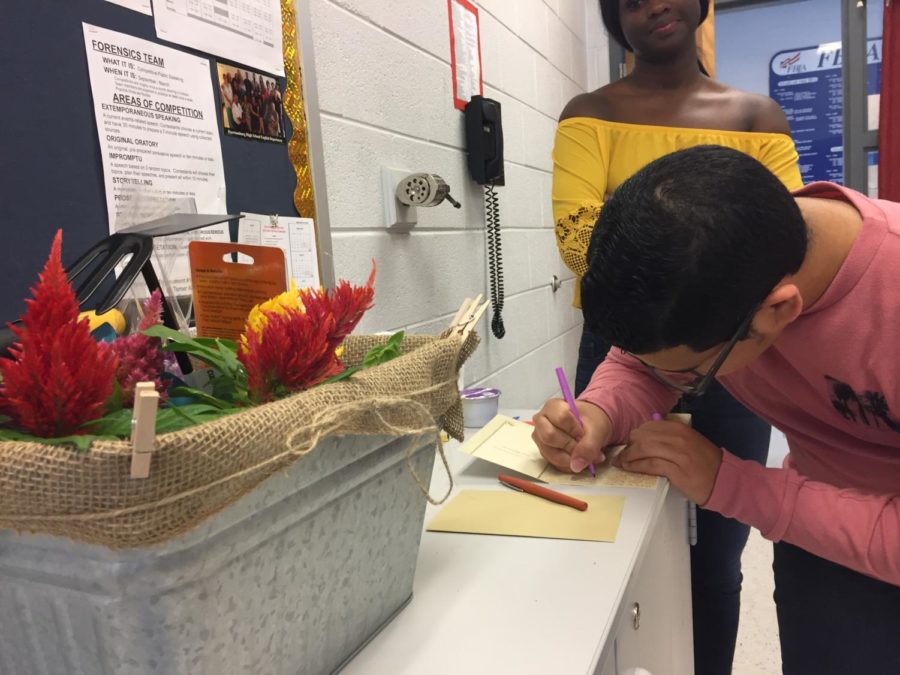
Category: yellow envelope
[524,515]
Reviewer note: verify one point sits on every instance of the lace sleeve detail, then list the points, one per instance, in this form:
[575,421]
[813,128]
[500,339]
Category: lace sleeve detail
[573,236]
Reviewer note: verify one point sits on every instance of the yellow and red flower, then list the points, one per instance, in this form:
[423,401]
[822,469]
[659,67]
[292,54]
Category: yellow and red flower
[293,344]
[281,303]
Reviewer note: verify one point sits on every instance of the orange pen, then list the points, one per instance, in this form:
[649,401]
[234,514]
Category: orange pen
[541,491]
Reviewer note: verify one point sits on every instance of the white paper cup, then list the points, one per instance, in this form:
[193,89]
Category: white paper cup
[479,406]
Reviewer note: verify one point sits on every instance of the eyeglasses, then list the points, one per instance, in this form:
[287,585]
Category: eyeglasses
[689,381]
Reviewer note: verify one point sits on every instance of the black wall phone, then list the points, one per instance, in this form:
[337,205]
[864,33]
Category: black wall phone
[484,141]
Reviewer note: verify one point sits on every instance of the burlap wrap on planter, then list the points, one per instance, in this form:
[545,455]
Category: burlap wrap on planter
[90,496]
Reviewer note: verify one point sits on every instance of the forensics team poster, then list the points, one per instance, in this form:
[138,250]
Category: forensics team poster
[159,139]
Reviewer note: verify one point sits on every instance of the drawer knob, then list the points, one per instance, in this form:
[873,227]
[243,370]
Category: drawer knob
[636,616]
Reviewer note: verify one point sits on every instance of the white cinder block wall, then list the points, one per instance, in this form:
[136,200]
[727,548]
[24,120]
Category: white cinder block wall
[385,95]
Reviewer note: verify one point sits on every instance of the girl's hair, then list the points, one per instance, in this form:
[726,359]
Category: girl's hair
[609,10]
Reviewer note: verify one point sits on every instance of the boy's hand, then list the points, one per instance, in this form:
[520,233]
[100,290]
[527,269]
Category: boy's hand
[676,451]
[563,442]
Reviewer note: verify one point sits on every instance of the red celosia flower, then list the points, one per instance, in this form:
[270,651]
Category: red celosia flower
[292,352]
[59,378]
[349,303]
[295,348]
[141,358]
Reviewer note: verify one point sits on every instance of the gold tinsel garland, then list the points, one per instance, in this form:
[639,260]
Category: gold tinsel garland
[298,152]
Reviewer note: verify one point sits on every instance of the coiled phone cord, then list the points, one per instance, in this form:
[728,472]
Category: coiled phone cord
[495,260]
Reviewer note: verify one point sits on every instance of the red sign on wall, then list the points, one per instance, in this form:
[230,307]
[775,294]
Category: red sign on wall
[465,51]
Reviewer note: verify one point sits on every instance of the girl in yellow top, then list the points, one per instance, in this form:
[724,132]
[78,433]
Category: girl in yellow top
[593,156]
[666,104]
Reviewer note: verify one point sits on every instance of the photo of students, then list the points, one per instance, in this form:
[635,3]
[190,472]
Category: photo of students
[251,104]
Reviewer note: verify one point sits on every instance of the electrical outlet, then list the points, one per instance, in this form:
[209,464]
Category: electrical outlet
[397,217]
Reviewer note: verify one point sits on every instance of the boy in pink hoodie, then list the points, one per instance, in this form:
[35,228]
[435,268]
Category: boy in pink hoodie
[702,265]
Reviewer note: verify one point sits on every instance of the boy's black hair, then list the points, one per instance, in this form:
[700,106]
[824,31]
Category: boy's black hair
[686,248]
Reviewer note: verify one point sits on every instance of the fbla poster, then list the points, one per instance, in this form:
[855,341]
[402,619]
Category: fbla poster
[808,84]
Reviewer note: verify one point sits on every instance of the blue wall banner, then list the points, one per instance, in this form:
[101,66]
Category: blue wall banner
[808,84]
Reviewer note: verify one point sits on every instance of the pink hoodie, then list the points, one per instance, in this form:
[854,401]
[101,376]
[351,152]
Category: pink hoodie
[831,383]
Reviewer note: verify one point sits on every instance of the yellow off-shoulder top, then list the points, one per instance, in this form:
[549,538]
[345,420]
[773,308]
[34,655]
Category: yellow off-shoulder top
[592,157]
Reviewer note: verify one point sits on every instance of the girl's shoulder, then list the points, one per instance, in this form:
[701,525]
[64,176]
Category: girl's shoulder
[599,104]
[618,102]
[762,113]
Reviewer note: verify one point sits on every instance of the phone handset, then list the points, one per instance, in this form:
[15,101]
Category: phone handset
[484,142]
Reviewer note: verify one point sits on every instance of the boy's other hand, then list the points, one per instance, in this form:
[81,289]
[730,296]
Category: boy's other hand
[676,451]
[563,442]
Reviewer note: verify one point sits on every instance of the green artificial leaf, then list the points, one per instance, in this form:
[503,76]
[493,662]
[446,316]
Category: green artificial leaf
[374,357]
[343,375]
[217,343]
[80,442]
[209,356]
[389,350]
[179,342]
[182,417]
[227,351]
[108,427]
[201,396]
[115,424]
[4,419]
[166,333]
[115,400]
[179,411]
[228,379]
[397,339]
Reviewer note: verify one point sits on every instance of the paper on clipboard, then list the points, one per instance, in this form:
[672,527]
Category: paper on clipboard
[507,443]
[295,236]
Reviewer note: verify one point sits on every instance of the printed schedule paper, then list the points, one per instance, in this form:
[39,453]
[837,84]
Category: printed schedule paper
[295,236]
[244,31]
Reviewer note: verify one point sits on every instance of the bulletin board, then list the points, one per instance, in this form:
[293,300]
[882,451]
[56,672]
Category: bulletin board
[50,162]
[808,83]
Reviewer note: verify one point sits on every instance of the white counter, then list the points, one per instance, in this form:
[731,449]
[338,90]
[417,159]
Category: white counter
[491,604]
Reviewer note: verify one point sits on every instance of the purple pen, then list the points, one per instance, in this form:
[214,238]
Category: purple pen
[567,395]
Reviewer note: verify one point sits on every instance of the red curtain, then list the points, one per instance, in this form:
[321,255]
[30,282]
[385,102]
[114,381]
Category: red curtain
[889,113]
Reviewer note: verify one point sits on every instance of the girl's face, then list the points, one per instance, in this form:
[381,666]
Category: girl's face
[656,29]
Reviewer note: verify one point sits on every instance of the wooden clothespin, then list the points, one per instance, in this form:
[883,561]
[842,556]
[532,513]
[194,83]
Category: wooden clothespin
[473,320]
[460,312]
[473,308]
[143,428]
[467,316]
